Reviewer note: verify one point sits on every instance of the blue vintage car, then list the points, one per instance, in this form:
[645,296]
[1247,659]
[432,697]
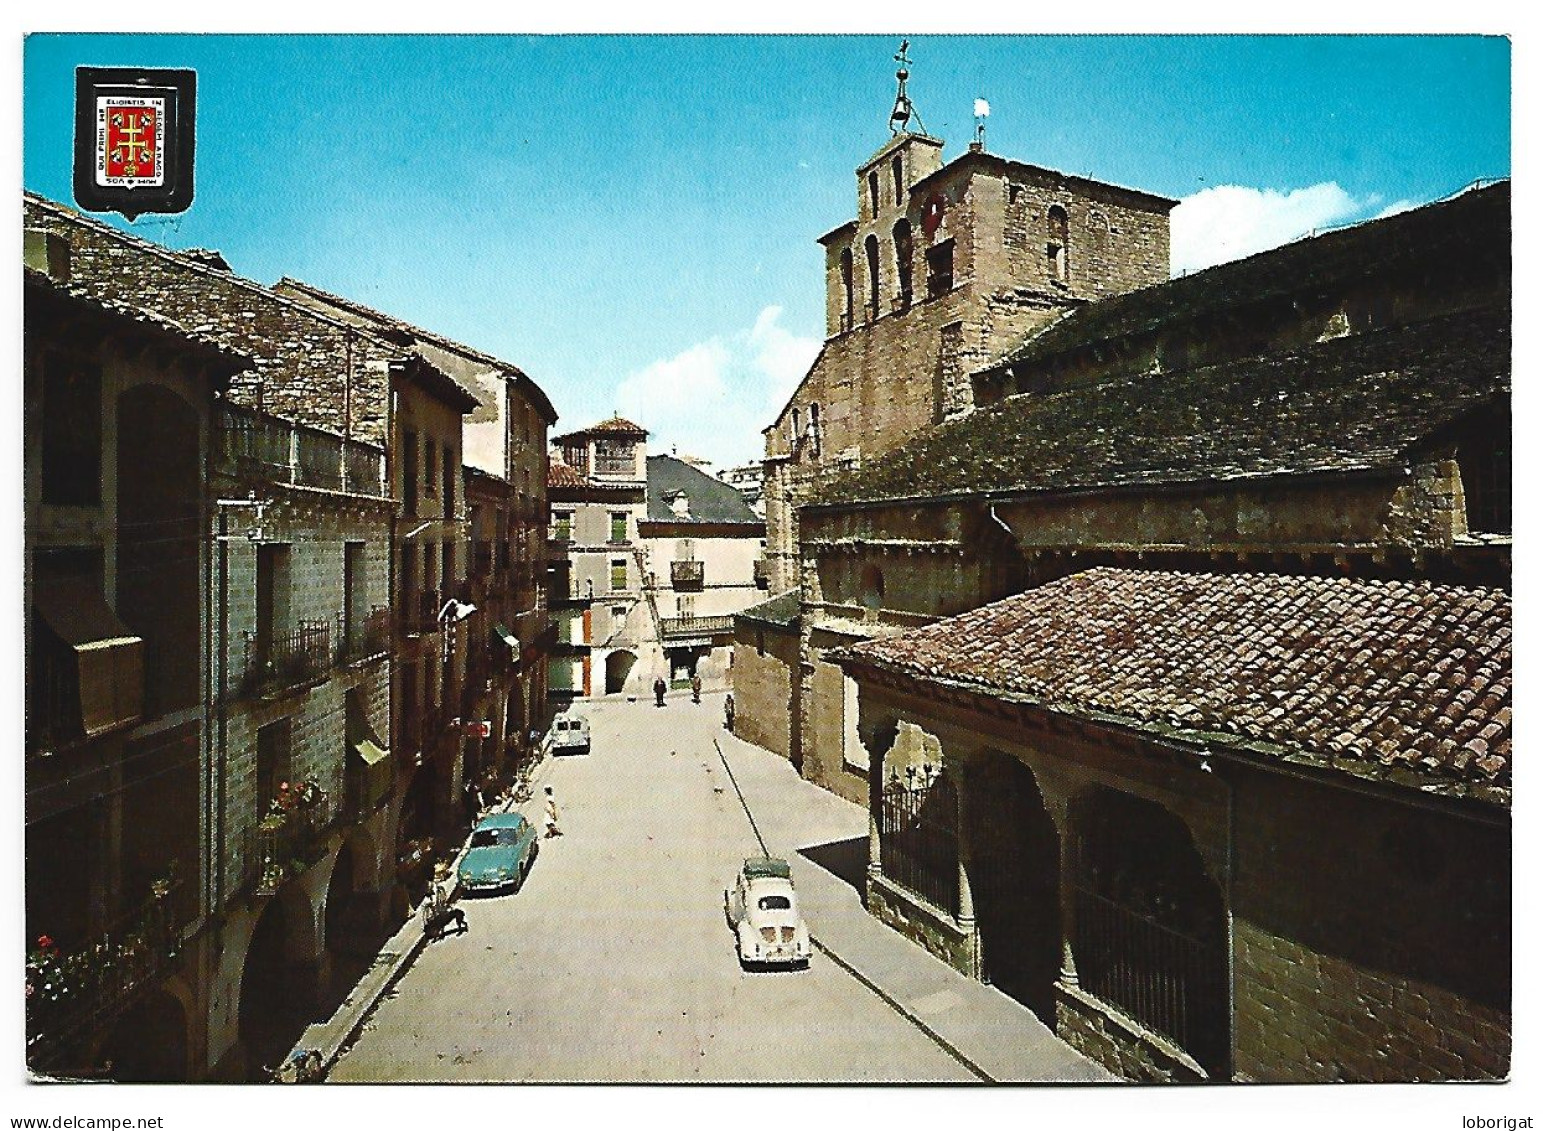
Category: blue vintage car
[503,847]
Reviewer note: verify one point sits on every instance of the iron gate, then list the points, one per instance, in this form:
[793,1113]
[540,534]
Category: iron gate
[919,840]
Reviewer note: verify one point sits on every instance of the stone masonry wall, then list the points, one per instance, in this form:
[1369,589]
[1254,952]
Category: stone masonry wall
[764,682]
[1371,939]
[306,367]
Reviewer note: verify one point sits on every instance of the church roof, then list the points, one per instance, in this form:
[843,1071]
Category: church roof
[1350,404]
[1405,681]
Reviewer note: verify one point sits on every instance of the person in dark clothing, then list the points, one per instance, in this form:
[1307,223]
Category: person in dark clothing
[696,688]
[659,689]
[728,712]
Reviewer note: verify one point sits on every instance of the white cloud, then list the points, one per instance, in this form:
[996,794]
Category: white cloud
[1227,222]
[713,398]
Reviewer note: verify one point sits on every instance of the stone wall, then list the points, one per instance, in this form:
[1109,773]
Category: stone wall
[764,683]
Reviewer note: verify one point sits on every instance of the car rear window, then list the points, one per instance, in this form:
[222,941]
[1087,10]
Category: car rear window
[774,903]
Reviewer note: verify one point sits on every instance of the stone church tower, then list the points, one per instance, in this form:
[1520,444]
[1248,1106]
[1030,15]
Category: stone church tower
[943,269]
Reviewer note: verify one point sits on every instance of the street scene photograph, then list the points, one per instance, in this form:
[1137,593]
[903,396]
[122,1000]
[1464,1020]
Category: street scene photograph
[892,560]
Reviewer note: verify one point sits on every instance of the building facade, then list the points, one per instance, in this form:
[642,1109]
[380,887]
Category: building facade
[603,623]
[702,554]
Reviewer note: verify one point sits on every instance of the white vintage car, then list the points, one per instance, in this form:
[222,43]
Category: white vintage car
[570,735]
[762,909]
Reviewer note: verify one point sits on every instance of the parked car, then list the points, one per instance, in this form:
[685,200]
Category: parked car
[502,849]
[762,909]
[570,735]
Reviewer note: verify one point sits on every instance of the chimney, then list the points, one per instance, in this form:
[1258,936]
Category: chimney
[48,252]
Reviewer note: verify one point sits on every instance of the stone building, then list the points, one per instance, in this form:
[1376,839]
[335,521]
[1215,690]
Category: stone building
[603,624]
[465,408]
[118,414]
[1244,826]
[283,619]
[702,547]
[765,682]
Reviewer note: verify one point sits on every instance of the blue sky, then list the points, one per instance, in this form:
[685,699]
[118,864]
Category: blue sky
[632,219]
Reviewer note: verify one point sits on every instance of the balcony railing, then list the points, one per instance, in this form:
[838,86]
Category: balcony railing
[70,996]
[368,637]
[696,626]
[279,662]
[254,445]
[687,574]
[288,841]
[420,612]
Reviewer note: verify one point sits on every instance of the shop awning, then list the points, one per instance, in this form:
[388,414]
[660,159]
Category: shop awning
[109,658]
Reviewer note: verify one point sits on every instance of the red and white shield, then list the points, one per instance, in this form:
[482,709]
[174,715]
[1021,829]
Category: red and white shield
[129,136]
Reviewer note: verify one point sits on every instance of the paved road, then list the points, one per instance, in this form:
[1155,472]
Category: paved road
[615,963]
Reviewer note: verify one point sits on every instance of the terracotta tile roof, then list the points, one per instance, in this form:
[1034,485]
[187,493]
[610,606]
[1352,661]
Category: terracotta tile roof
[559,474]
[1372,677]
[1348,404]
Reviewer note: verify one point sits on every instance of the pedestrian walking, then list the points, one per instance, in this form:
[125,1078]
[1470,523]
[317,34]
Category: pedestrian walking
[551,815]
[728,712]
[696,688]
[437,910]
[659,690]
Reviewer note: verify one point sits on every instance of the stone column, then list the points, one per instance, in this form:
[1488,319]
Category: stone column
[965,850]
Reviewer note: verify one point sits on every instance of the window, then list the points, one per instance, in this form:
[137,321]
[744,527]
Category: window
[940,269]
[814,430]
[272,599]
[871,247]
[846,288]
[903,260]
[897,172]
[409,576]
[1056,253]
[618,526]
[448,480]
[797,425]
[272,763]
[873,192]
[618,574]
[1484,463]
[562,526]
[353,591]
[72,431]
[618,614]
[410,472]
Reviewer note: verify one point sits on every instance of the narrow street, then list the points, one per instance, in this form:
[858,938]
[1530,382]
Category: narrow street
[615,963]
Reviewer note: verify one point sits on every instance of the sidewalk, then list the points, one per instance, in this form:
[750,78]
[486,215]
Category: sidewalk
[996,1037]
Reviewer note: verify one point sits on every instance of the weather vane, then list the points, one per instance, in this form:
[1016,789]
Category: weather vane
[903,111]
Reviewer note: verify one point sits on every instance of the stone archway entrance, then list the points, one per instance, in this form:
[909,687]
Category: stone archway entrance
[149,1042]
[618,666]
[272,1013]
[1150,925]
[1014,866]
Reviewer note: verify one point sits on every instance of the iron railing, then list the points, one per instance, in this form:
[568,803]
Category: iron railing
[919,840]
[367,637]
[70,996]
[275,663]
[254,445]
[687,574]
[285,843]
[696,626]
[1171,982]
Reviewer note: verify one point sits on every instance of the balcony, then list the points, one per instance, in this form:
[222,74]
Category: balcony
[254,445]
[369,637]
[278,663]
[678,627]
[71,996]
[687,574]
[291,838]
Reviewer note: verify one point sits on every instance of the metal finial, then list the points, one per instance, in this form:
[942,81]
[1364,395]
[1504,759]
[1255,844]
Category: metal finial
[903,109]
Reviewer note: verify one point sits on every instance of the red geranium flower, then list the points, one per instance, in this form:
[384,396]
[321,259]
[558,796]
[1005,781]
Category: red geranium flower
[45,942]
